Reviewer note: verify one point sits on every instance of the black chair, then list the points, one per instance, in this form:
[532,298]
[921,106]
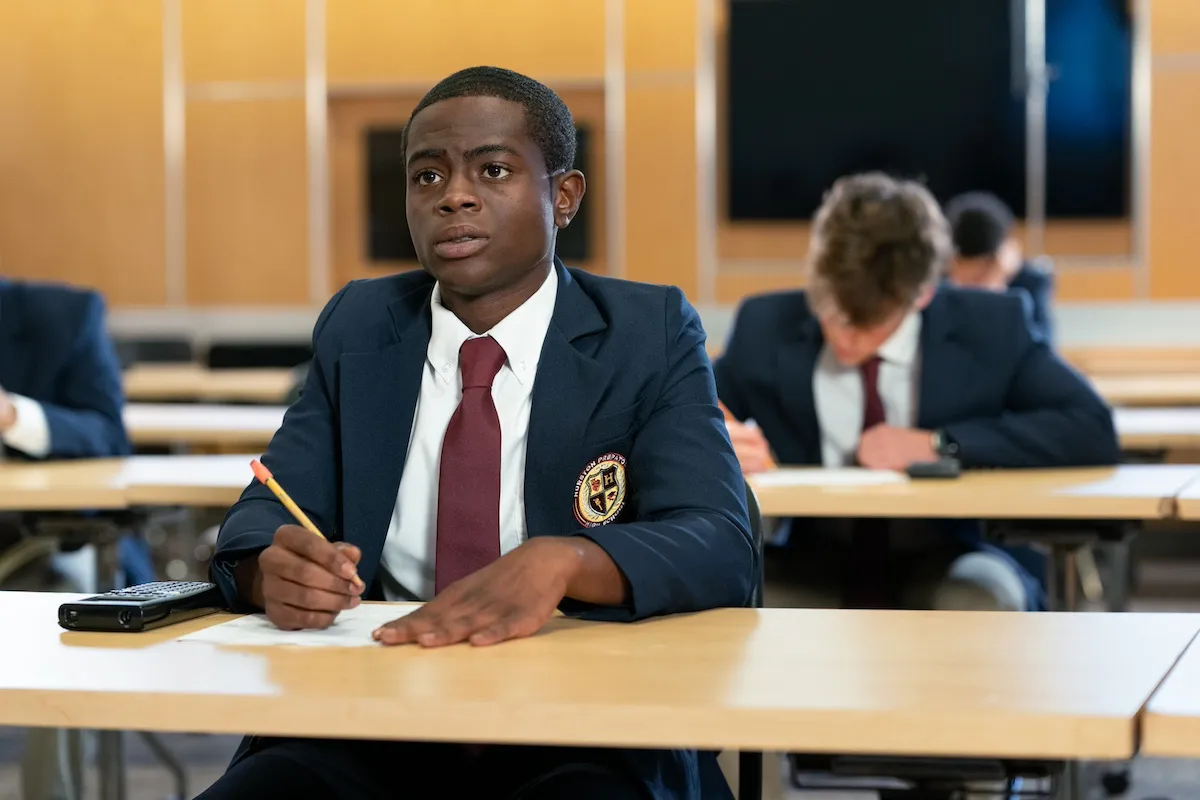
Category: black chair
[154,351]
[257,355]
[750,764]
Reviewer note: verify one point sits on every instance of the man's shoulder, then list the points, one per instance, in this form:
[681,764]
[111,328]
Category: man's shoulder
[980,317]
[363,308]
[768,315]
[37,295]
[1033,276]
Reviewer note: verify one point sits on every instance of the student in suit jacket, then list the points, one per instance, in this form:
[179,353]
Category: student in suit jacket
[988,256]
[499,436]
[875,364]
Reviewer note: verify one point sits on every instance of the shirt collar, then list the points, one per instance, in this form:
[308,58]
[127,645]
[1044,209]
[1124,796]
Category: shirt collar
[520,334]
[902,346]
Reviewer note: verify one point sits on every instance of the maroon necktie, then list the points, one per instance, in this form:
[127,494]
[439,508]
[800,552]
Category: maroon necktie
[468,519]
[866,583]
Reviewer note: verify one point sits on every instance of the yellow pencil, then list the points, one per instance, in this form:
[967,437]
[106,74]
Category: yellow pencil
[267,479]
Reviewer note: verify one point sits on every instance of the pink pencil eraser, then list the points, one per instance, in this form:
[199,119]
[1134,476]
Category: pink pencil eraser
[260,471]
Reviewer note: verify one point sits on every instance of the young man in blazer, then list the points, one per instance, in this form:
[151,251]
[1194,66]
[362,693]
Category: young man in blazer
[878,363]
[988,256]
[501,437]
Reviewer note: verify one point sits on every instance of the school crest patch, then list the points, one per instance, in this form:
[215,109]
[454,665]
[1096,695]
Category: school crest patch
[600,491]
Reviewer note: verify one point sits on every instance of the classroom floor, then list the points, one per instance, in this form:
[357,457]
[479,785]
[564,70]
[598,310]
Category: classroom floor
[1164,586]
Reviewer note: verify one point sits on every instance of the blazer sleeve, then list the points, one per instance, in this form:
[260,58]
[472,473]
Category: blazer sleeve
[691,548]
[85,419]
[304,456]
[1039,284]
[1052,418]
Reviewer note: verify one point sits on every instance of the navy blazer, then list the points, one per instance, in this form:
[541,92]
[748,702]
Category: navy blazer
[54,349]
[1038,283]
[623,369]
[987,380]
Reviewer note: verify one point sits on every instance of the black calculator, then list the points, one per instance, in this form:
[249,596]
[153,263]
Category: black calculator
[142,608]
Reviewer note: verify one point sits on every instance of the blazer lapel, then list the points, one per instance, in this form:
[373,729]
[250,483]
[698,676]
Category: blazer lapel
[796,361]
[379,392]
[566,391]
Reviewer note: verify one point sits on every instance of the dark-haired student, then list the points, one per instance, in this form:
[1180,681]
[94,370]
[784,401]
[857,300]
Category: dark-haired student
[879,364]
[988,256]
[502,437]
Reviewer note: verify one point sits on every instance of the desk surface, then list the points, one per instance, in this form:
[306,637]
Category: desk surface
[1166,389]
[202,425]
[115,483]
[1158,428]
[904,683]
[158,382]
[1131,492]
[1171,723]
[61,486]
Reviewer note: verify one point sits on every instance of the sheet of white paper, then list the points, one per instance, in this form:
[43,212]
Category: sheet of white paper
[848,476]
[351,629]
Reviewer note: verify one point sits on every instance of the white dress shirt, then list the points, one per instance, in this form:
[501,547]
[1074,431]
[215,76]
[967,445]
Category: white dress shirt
[31,434]
[408,552]
[839,397]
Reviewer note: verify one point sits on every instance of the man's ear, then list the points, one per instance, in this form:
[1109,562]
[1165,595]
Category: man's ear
[569,188]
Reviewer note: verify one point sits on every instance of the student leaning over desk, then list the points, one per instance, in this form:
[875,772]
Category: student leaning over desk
[878,363]
[500,436]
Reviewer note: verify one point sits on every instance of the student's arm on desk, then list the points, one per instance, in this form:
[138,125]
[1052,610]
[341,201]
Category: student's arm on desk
[1054,417]
[84,421]
[301,455]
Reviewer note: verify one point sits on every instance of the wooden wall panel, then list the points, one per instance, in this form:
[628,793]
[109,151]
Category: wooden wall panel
[660,186]
[423,41]
[247,204]
[81,160]
[1174,176]
[1174,27]
[243,40]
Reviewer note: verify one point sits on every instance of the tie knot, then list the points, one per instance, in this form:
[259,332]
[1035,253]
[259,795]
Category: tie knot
[869,370]
[479,360]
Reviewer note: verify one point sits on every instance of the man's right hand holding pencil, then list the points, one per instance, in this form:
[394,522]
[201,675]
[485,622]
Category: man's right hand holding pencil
[302,581]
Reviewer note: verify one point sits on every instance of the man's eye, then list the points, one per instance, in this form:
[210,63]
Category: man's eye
[426,177]
[496,171]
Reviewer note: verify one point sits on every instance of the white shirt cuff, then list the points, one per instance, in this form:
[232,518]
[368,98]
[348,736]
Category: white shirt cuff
[31,434]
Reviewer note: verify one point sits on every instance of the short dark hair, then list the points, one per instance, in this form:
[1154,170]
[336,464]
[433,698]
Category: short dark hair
[546,115]
[877,243]
[979,223]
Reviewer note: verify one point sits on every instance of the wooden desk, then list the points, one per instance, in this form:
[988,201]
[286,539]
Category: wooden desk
[213,481]
[1171,723]
[1132,492]
[250,427]
[1187,503]
[1149,389]
[190,382]
[61,486]
[1158,428]
[1045,686]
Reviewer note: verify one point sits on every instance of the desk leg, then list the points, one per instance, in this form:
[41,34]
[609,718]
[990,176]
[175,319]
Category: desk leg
[1070,787]
[111,765]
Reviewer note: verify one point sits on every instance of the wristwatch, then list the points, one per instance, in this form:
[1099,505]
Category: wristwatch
[943,445]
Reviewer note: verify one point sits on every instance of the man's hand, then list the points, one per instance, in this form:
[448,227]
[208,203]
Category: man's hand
[749,445]
[885,447]
[510,598]
[8,412]
[301,580]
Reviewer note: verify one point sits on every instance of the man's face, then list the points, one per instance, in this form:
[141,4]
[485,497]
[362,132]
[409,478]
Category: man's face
[481,207]
[993,272]
[851,344]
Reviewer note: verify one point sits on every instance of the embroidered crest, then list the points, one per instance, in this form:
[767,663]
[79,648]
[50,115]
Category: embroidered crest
[600,491]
